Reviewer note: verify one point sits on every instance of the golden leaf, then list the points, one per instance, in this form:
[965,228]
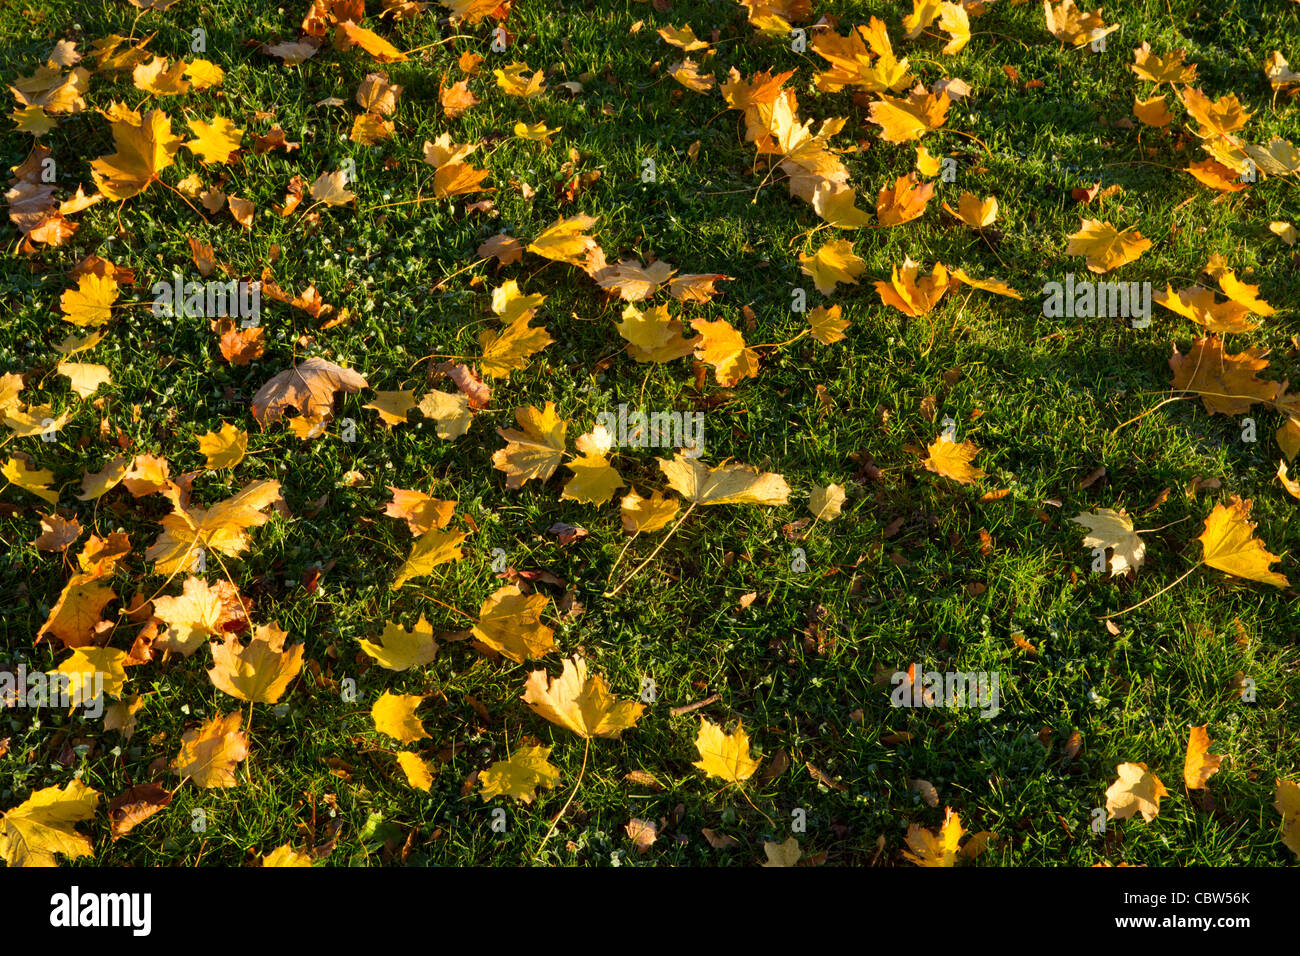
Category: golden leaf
[647,514]
[144,150]
[520,776]
[429,550]
[1231,547]
[417,771]
[594,480]
[224,448]
[834,262]
[394,715]
[953,460]
[32,833]
[1136,790]
[1199,764]
[536,451]
[1226,383]
[1113,530]
[722,755]
[209,754]
[259,671]
[510,622]
[578,702]
[724,485]
[399,649]
[723,347]
[1106,247]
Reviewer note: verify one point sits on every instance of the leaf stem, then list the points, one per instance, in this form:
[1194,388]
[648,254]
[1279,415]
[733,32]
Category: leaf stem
[586,748]
[657,549]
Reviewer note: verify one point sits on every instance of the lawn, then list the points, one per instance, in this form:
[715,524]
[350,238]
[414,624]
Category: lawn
[759,614]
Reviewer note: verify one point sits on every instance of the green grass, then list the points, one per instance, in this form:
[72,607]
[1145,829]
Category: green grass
[1044,399]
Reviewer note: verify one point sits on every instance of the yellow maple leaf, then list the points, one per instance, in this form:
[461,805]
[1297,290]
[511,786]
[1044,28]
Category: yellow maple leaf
[954,21]
[91,302]
[973,211]
[985,285]
[687,73]
[286,856]
[224,448]
[399,649]
[834,262]
[92,669]
[825,502]
[1226,383]
[417,771]
[394,715]
[84,377]
[910,294]
[210,753]
[429,551]
[727,484]
[940,849]
[1136,790]
[834,202]
[1071,25]
[32,833]
[653,335]
[826,325]
[1106,247]
[449,410]
[647,514]
[1287,802]
[723,347]
[520,776]
[903,120]
[372,43]
[214,142]
[1113,530]
[953,460]
[1244,294]
[1231,547]
[420,512]
[534,452]
[579,702]
[161,77]
[199,613]
[222,528]
[904,201]
[565,240]
[1157,69]
[722,755]
[329,189]
[1200,764]
[32,480]
[143,151]
[1153,112]
[259,671]
[515,81]
[683,38]
[511,348]
[594,480]
[1220,117]
[76,614]
[1216,176]
[371,129]
[510,622]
